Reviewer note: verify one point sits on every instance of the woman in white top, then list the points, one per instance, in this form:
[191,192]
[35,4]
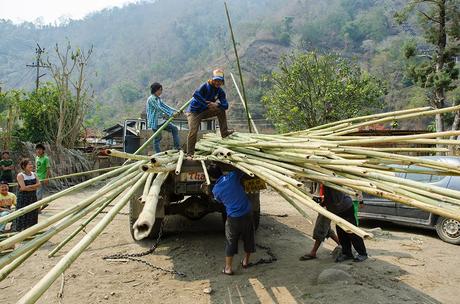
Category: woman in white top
[27,194]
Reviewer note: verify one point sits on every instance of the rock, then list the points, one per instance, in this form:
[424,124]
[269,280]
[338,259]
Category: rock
[333,275]
[208,290]
[106,297]
[112,293]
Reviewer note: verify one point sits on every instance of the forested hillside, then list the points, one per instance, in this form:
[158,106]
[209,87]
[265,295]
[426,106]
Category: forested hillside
[178,42]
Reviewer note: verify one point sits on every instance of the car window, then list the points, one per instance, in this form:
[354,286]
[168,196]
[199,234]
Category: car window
[424,178]
[437,178]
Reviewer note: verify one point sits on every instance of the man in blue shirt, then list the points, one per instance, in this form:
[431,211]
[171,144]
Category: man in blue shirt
[208,101]
[229,191]
[157,114]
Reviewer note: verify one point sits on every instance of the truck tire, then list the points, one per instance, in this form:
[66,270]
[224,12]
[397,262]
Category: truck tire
[448,230]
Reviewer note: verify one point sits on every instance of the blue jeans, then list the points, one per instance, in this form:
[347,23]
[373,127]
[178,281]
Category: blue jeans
[175,134]
[41,191]
[3,213]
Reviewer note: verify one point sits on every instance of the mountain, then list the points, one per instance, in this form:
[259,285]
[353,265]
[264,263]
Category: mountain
[179,42]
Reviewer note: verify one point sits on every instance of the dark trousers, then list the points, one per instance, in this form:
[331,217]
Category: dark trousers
[347,239]
[194,121]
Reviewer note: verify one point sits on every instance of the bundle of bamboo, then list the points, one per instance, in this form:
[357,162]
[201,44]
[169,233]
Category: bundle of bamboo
[325,154]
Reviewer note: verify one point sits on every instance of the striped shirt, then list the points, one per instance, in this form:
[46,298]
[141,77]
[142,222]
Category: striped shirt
[157,111]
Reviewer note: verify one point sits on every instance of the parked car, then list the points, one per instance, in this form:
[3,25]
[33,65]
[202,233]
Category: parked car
[382,209]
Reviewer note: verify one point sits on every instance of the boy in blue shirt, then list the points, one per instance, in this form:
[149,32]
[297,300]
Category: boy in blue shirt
[229,191]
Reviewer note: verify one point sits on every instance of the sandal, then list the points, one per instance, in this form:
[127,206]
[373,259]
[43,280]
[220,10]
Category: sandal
[307,257]
[246,266]
[226,273]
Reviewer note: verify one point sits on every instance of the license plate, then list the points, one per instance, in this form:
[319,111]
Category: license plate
[193,176]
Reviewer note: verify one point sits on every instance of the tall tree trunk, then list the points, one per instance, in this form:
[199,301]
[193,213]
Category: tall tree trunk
[439,95]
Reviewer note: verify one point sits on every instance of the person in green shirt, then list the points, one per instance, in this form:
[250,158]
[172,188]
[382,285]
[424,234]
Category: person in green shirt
[42,167]
[6,167]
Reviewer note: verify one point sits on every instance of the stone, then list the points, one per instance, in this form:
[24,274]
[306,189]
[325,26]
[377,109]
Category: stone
[333,275]
[208,290]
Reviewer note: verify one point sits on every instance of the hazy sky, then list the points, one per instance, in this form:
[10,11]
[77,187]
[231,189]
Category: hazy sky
[51,10]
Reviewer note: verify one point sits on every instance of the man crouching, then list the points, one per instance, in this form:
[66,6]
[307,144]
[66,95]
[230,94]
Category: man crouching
[229,191]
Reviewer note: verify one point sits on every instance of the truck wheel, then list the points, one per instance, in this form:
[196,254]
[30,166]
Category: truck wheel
[448,230]
[135,208]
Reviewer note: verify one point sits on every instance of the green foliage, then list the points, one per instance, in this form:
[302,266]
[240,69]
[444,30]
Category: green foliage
[38,113]
[310,90]
[432,65]
[129,93]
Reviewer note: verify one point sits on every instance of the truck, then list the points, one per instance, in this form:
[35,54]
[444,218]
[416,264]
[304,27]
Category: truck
[185,194]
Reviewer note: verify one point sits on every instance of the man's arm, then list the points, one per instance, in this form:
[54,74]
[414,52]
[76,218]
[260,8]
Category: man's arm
[223,103]
[169,111]
[198,95]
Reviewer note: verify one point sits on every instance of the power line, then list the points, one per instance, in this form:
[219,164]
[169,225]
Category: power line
[38,51]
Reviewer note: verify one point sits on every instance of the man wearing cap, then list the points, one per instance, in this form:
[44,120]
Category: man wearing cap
[157,114]
[207,101]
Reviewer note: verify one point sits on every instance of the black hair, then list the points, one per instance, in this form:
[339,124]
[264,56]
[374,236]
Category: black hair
[24,162]
[3,182]
[6,152]
[155,87]
[214,171]
[40,146]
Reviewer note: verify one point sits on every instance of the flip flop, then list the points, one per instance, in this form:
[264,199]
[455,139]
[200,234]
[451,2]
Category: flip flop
[226,273]
[307,257]
[246,266]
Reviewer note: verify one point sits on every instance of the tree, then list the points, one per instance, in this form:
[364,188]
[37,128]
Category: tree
[310,90]
[9,102]
[432,65]
[38,112]
[72,109]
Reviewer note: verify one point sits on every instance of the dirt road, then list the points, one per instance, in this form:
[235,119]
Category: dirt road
[406,266]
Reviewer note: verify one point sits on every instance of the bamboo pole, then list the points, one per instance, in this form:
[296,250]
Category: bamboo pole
[73,175]
[33,294]
[158,169]
[179,162]
[350,129]
[51,198]
[55,229]
[144,223]
[60,215]
[119,154]
[79,228]
[239,67]
[243,102]
[205,171]
[368,117]
[6,270]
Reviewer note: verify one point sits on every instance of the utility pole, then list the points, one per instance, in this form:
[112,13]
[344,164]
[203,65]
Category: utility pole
[38,51]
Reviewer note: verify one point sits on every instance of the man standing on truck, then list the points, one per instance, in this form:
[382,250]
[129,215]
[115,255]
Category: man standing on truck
[157,114]
[229,191]
[208,101]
